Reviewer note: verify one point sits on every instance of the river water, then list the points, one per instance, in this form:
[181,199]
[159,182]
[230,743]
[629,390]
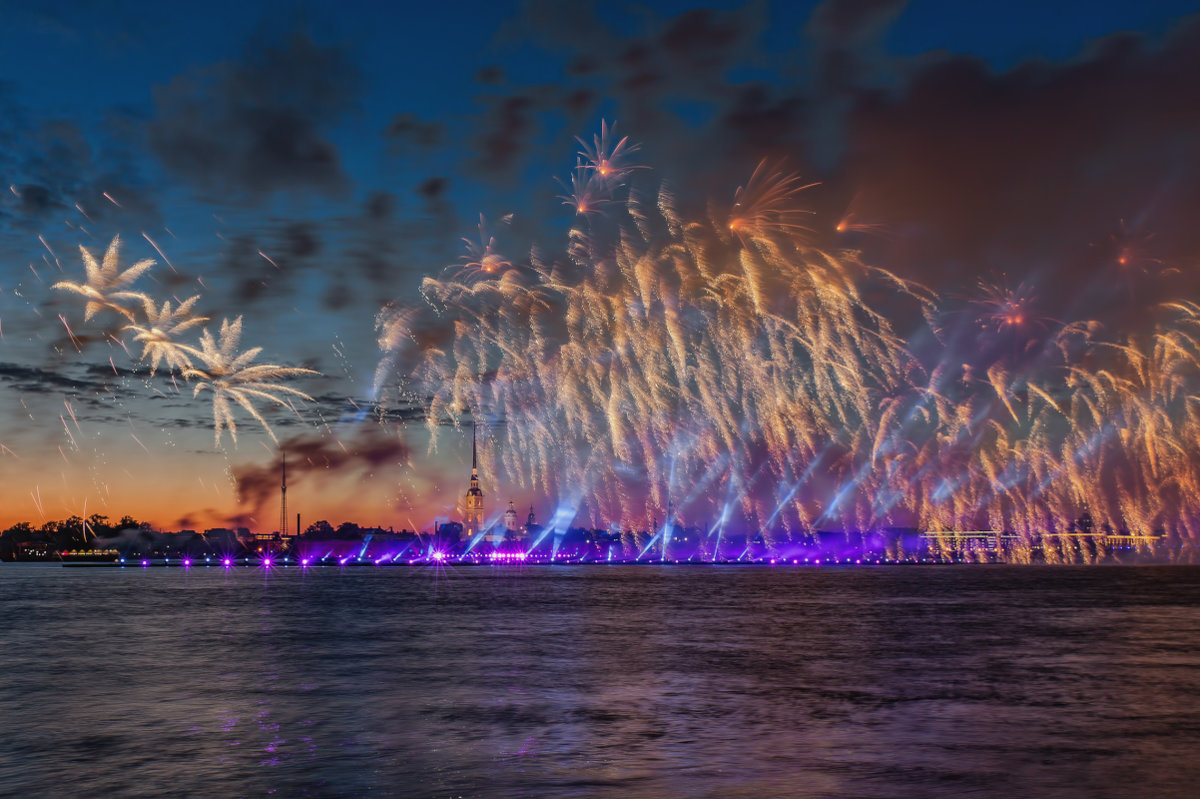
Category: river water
[595,681]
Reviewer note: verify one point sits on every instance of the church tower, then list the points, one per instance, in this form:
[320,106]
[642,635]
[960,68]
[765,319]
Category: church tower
[473,507]
[510,521]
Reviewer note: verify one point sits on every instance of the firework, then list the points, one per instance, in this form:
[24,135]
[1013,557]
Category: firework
[233,379]
[606,159]
[1130,250]
[586,193]
[731,369]
[766,204]
[601,169]
[105,285]
[159,334]
[482,259]
[230,375]
[1006,309]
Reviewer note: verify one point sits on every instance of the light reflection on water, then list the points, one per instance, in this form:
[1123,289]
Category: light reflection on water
[600,681]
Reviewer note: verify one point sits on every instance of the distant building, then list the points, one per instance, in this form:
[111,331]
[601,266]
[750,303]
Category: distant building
[473,504]
[448,535]
[510,521]
[222,539]
[532,529]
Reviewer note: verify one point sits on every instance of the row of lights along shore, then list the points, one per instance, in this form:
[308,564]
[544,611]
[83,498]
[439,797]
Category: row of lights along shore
[494,558]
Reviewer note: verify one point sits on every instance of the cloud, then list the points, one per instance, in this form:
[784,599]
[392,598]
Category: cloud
[320,458]
[58,169]
[409,129]
[506,128]
[1046,171]
[32,380]
[1031,171]
[853,21]
[262,126]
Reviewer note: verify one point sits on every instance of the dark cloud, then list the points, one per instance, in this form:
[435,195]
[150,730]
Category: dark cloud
[261,126]
[433,188]
[490,76]
[37,201]
[658,83]
[506,129]
[300,240]
[407,129]
[382,237]
[242,259]
[105,372]
[75,22]
[271,263]
[33,380]
[700,38]
[337,295]
[94,393]
[380,205]
[944,168]
[578,102]
[54,168]
[384,248]
[853,20]
[1032,171]
[313,458]
[348,409]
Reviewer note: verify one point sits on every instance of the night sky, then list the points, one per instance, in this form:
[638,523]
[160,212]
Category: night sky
[302,165]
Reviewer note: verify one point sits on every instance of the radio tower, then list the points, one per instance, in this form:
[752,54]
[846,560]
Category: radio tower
[283,498]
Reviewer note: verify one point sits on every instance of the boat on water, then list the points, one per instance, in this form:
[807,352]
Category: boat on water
[89,556]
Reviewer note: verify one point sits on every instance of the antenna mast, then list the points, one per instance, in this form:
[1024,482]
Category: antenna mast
[283,497]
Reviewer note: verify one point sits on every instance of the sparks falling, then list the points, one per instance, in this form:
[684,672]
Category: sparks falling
[729,367]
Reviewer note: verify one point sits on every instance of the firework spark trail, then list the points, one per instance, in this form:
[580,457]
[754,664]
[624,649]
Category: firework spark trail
[71,413]
[657,342]
[677,327]
[70,333]
[67,430]
[161,254]
[52,254]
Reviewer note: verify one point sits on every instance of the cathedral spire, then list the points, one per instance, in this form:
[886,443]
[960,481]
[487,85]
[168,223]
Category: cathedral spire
[473,502]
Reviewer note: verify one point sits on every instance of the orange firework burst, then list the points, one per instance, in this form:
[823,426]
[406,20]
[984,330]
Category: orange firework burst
[767,203]
[481,258]
[606,159]
[1008,309]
